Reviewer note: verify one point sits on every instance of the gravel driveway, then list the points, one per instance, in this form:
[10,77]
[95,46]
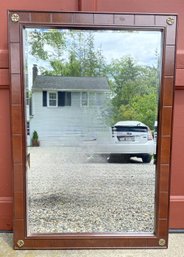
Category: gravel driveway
[71,191]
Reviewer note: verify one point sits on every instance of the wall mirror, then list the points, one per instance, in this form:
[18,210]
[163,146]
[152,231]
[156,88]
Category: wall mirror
[91,101]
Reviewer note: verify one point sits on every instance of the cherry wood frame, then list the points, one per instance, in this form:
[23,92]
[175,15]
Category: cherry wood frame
[18,20]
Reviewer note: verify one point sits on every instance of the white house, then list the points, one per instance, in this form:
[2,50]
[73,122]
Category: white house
[69,110]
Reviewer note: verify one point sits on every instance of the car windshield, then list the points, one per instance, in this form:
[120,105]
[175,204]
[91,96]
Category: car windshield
[132,128]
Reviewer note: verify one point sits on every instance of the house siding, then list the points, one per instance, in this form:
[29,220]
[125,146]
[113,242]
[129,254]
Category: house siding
[72,124]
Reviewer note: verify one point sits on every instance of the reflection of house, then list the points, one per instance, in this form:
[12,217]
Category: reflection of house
[68,109]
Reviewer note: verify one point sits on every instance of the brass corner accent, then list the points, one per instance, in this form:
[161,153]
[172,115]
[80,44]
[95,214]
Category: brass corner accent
[15,17]
[170,21]
[20,243]
[162,242]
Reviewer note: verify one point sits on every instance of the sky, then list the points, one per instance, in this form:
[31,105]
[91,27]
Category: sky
[141,45]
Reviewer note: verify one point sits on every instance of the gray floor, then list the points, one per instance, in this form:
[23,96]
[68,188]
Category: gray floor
[176,249]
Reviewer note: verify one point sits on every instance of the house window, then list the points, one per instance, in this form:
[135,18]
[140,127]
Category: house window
[84,99]
[52,99]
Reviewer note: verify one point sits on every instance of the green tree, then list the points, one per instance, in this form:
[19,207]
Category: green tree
[142,108]
[132,87]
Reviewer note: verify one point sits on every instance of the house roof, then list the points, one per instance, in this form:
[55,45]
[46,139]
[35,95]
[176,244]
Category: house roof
[70,83]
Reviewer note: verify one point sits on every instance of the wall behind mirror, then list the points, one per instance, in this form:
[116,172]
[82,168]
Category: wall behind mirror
[91,100]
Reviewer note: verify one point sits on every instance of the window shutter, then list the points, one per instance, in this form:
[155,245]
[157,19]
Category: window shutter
[44,98]
[61,98]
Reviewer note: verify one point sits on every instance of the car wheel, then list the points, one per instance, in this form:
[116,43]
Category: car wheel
[146,158]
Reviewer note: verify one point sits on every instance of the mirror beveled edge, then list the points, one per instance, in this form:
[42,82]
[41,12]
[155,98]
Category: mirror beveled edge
[18,20]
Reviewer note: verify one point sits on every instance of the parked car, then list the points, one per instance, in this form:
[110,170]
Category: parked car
[132,139]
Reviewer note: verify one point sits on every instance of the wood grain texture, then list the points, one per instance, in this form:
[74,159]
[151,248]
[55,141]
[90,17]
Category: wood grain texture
[18,200]
[103,19]
[15,89]
[14,33]
[169,61]
[165,150]
[15,58]
[166,121]
[121,19]
[17,124]
[140,20]
[40,17]
[19,178]
[63,18]
[164,178]
[17,148]
[84,19]
[168,85]
[163,228]
[164,205]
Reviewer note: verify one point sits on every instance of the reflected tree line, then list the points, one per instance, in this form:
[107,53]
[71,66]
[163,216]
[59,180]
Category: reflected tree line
[134,88]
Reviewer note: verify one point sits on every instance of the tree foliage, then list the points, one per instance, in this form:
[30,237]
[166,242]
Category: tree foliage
[53,39]
[142,108]
[133,86]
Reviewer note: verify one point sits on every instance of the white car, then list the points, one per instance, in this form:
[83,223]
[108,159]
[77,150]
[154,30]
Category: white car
[132,139]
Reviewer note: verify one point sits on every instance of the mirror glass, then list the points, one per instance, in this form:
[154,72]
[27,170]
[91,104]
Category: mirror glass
[91,108]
